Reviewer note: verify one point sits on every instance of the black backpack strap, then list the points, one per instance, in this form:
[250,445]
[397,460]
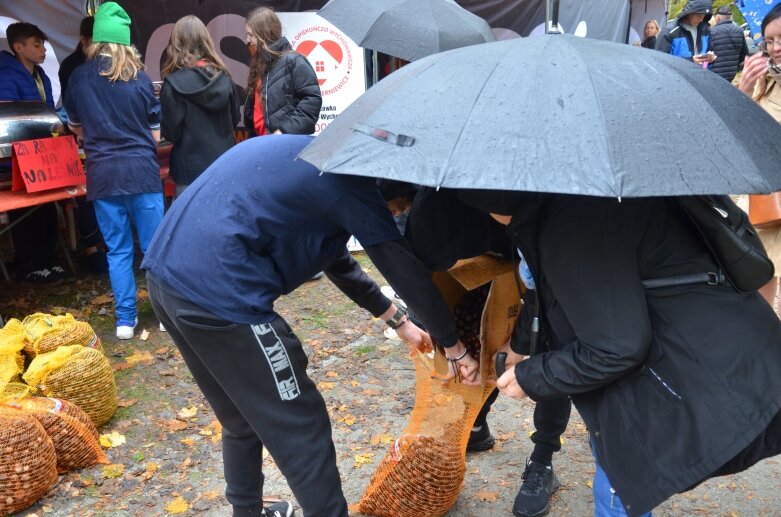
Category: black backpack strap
[718,278]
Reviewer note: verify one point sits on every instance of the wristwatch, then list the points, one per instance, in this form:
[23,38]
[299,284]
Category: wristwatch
[397,320]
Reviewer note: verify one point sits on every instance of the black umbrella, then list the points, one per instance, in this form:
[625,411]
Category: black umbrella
[557,114]
[409,29]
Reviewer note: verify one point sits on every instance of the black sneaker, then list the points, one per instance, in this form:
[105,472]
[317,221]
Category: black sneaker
[480,440]
[280,509]
[66,276]
[42,277]
[539,483]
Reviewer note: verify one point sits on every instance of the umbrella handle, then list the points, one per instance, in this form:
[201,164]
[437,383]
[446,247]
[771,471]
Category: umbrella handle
[501,358]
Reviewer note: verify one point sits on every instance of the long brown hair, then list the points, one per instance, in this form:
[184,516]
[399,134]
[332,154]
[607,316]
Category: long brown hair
[264,24]
[125,60]
[190,42]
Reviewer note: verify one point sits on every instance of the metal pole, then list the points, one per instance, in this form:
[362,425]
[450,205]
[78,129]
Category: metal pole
[552,17]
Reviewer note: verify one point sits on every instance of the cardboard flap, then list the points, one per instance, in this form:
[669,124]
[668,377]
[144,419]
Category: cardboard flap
[473,272]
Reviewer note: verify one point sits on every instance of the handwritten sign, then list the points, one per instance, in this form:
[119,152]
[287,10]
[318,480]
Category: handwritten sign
[46,164]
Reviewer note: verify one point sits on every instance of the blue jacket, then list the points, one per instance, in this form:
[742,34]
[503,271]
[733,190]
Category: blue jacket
[17,84]
[677,41]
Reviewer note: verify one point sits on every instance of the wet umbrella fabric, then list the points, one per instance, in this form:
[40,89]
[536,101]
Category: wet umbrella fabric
[557,114]
[409,29]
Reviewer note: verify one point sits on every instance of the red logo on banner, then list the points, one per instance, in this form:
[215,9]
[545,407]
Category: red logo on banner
[46,164]
[333,51]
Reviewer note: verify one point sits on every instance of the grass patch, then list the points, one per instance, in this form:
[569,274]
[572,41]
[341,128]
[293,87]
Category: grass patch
[365,349]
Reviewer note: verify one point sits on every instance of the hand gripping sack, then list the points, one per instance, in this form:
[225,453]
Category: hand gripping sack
[80,375]
[75,437]
[28,463]
[46,332]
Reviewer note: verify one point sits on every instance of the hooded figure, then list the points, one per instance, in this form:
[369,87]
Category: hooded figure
[200,112]
[689,34]
[675,384]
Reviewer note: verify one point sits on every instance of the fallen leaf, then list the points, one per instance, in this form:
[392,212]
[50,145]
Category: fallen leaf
[162,350]
[371,393]
[151,467]
[355,384]
[112,439]
[212,495]
[143,294]
[178,505]
[590,483]
[347,419]
[187,412]
[144,335]
[188,441]
[378,439]
[332,374]
[214,429]
[362,459]
[127,402]
[325,386]
[103,299]
[487,497]
[174,425]
[142,357]
[113,470]
[506,436]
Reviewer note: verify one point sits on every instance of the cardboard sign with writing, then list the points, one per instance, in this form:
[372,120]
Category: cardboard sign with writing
[46,164]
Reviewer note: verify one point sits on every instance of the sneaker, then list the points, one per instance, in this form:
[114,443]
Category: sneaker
[480,439]
[318,276]
[539,483]
[42,277]
[389,333]
[391,294]
[126,329]
[280,509]
[64,274]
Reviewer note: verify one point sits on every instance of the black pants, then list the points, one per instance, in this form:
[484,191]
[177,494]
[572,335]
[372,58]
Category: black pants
[550,421]
[87,223]
[254,377]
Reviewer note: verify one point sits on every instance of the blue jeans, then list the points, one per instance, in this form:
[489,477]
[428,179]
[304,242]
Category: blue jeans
[115,215]
[606,501]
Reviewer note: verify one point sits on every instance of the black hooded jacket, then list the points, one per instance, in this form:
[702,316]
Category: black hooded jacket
[199,114]
[675,384]
[290,92]
[730,46]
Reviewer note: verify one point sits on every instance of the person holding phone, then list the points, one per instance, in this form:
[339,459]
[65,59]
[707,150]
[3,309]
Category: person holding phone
[689,36]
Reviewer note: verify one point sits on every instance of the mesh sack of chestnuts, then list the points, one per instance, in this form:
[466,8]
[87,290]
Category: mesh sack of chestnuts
[75,437]
[80,375]
[424,469]
[11,359]
[28,463]
[46,332]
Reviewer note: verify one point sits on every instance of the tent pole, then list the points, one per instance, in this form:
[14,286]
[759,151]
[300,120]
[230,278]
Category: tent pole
[552,17]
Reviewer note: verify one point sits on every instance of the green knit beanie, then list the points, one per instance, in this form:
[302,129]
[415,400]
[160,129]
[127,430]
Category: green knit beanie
[112,25]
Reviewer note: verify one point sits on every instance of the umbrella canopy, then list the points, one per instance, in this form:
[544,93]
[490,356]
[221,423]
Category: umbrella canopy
[754,11]
[409,29]
[557,114]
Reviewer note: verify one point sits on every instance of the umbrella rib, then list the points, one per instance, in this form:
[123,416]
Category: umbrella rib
[463,126]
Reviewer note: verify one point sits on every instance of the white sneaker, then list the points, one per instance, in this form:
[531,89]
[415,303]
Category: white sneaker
[126,331]
[162,328]
[389,333]
[390,293]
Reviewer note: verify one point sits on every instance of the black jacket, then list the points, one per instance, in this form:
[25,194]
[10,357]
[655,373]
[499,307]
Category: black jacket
[730,46]
[290,92]
[68,65]
[677,41]
[672,383]
[199,114]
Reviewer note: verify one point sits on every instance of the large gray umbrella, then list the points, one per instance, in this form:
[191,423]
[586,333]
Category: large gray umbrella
[409,29]
[557,114]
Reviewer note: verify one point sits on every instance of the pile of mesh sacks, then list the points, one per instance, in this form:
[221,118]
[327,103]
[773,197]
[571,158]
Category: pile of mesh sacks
[56,389]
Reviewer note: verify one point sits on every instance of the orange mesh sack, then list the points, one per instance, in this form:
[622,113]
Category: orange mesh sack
[28,464]
[75,437]
[11,358]
[46,332]
[80,375]
[424,469]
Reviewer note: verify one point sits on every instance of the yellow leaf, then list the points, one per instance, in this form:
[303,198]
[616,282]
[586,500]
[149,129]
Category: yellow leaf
[142,357]
[590,483]
[187,412]
[212,495]
[325,386]
[485,496]
[362,459]
[332,374]
[188,441]
[346,419]
[114,470]
[378,439]
[112,439]
[178,505]
[355,384]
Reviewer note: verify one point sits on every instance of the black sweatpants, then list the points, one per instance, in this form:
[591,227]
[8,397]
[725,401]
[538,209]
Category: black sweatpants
[254,377]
